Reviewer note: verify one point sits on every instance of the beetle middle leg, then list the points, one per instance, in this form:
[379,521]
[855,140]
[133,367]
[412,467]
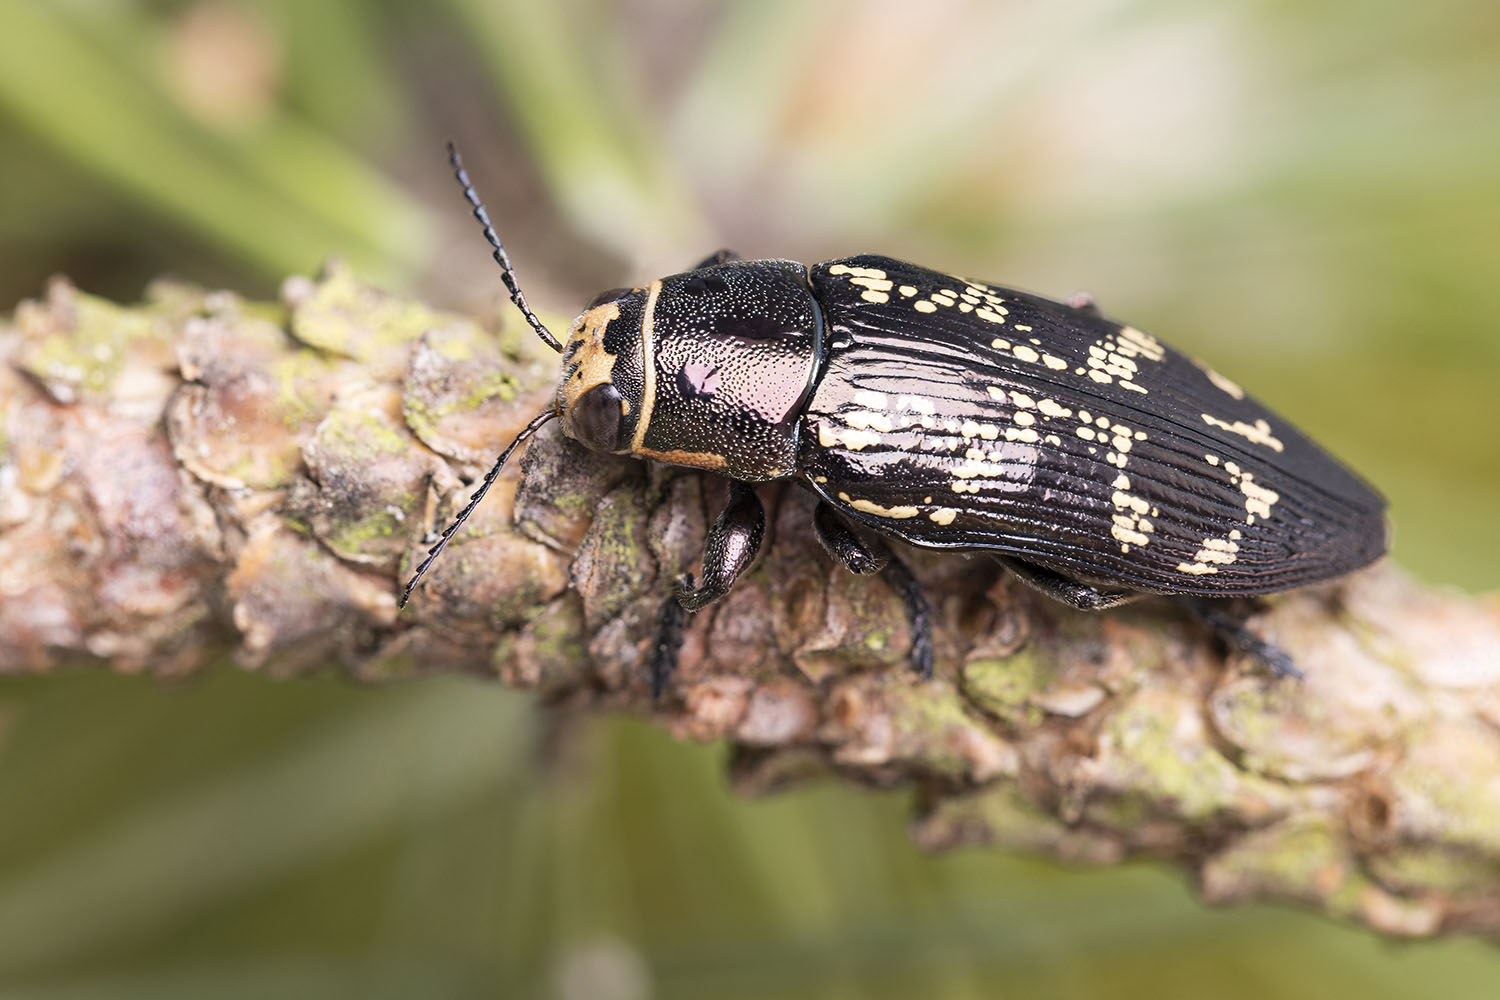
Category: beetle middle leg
[861,557]
[730,548]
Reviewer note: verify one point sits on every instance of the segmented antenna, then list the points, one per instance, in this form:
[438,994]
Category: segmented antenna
[507,272]
[484,488]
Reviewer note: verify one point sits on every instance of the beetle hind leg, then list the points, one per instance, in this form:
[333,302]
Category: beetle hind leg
[1073,593]
[728,551]
[1238,637]
[862,558]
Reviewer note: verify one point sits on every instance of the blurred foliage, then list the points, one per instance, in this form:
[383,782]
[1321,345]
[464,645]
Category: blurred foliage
[1307,194]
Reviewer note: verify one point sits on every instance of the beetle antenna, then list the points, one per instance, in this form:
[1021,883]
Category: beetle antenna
[507,272]
[463,515]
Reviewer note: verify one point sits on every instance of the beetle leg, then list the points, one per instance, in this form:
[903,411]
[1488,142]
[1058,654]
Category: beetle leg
[1083,596]
[862,558]
[717,257]
[918,613]
[1233,632]
[728,551]
[848,549]
[670,623]
[1084,303]
[731,546]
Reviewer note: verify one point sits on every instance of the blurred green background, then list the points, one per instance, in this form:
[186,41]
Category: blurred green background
[1306,194]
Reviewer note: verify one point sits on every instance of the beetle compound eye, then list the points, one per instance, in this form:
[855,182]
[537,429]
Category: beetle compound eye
[598,419]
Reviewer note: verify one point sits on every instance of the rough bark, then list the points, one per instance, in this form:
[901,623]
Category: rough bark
[201,475]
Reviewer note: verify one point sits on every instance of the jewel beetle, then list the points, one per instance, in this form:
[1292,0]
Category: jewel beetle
[1092,460]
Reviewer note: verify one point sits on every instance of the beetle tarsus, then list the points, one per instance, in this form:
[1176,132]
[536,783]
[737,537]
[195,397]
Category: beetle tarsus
[1239,638]
[670,623]
[918,614]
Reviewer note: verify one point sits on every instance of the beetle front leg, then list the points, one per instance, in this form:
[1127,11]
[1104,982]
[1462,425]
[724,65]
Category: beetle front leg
[862,558]
[728,551]
[731,546]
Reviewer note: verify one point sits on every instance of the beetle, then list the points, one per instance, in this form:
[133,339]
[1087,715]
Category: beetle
[1095,462]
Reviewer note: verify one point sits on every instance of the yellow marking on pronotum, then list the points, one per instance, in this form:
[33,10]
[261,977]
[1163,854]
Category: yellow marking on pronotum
[676,456]
[1256,433]
[648,366]
[870,507]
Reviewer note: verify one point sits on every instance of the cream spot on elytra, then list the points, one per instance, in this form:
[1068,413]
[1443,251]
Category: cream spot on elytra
[1256,433]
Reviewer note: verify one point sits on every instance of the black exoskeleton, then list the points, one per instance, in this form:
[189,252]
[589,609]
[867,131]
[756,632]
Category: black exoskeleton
[1093,461]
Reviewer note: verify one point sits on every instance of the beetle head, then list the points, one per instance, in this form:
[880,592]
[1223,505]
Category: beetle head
[600,393]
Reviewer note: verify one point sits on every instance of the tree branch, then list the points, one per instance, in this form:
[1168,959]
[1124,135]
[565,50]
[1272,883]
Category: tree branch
[200,475]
